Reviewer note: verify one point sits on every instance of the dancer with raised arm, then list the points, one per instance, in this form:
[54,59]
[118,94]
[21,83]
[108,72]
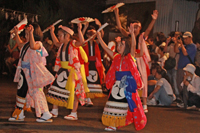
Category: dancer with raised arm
[67,89]
[142,58]
[123,106]
[31,75]
[95,71]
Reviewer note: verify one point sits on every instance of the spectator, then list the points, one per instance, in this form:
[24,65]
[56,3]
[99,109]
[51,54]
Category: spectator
[151,78]
[151,45]
[191,88]
[187,54]
[154,59]
[169,48]
[162,92]
[197,58]
[161,55]
[14,55]
[160,40]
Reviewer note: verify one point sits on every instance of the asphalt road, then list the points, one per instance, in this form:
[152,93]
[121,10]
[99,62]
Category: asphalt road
[160,119]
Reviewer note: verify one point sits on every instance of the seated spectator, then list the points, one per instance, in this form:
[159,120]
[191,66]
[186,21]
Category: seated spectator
[162,92]
[161,55]
[151,78]
[191,88]
[154,59]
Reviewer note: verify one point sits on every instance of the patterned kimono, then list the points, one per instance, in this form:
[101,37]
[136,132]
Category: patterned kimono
[94,70]
[143,64]
[116,111]
[68,78]
[32,76]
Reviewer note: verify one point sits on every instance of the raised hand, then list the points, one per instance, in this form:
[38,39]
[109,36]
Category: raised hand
[168,40]
[132,28]
[98,35]
[86,24]
[52,28]
[97,22]
[31,29]
[79,26]
[155,14]
[116,11]
[16,29]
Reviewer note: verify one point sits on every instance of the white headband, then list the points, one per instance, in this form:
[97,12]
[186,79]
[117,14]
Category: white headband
[68,30]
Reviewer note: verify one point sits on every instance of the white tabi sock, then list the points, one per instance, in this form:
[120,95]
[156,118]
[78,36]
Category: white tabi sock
[54,111]
[74,114]
[144,106]
[46,115]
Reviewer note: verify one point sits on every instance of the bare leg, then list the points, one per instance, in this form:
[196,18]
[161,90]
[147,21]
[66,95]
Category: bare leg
[75,107]
[73,115]
[55,106]
[144,100]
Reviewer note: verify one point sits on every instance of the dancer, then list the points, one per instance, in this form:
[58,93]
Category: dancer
[31,75]
[142,61]
[94,68]
[124,79]
[67,89]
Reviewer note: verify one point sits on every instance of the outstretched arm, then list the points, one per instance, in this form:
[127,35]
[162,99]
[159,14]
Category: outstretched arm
[154,17]
[33,44]
[54,38]
[133,41]
[121,29]
[85,28]
[104,46]
[20,43]
[97,22]
[80,35]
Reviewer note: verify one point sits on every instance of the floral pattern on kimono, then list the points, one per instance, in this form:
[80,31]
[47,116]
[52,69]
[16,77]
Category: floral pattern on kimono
[75,78]
[39,78]
[143,62]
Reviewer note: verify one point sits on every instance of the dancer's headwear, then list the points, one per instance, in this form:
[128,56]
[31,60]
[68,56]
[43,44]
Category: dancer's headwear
[68,30]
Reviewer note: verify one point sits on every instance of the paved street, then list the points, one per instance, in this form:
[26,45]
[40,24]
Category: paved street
[160,119]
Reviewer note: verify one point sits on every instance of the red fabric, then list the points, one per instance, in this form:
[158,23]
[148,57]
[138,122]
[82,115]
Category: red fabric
[137,117]
[99,68]
[80,58]
[75,59]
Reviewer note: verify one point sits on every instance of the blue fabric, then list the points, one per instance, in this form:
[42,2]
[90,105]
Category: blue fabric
[184,60]
[40,51]
[129,84]
[26,65]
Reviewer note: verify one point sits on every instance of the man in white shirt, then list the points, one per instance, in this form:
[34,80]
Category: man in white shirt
[191,88]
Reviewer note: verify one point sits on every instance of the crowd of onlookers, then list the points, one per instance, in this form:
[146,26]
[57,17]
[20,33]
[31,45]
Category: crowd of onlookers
[174,67]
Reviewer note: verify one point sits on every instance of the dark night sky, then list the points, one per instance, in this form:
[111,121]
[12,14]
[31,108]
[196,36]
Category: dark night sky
[52,10]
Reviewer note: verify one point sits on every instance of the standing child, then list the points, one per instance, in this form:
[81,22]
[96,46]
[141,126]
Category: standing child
[31,76]
[94,68]
[67,89]
[123,106]
[142,58]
